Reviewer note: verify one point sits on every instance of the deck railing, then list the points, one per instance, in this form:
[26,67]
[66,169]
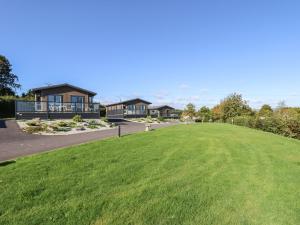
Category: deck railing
[65,107]
[135,112]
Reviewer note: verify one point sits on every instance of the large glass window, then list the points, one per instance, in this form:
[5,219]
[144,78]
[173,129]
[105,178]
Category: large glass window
[77,103]
[55,102]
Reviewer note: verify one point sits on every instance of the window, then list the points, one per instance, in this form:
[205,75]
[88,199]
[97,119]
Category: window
[55,102]
[77,103]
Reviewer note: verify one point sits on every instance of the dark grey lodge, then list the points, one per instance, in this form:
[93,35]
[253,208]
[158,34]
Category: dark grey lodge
[164,111]
[134,108]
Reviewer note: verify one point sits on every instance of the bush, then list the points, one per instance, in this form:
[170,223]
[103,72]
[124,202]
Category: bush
[63,124]
[291,128]
[77,119]
[269,124]
[63,129]
[33,123]
[66,124]
[80,128]
[161,119]
[36,129]
[198,120]
[93,122]
[91,126]
[7,107]
[105,120]
[247,121]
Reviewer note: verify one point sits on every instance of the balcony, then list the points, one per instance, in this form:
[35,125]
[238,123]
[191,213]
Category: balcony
[26,109]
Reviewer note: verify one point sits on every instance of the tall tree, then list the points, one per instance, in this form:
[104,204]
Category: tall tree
[8,80]
[266,110]
[28,95]
[190,110]
[233,106]
[205,114]
[216,113]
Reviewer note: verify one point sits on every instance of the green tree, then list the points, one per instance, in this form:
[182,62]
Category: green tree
[216,113]
[205,114]
[8,80]
[29,95]
[265,110]
[233,106]
[190,110]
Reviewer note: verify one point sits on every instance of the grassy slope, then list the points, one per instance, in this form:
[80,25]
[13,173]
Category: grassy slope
[188,174]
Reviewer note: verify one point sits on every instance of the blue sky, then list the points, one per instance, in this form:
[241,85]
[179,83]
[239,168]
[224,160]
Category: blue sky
[166,51]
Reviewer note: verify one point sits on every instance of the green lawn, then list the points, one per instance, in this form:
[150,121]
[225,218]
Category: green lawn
[186,174]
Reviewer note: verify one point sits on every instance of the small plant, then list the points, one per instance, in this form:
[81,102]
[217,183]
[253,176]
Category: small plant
[63,129]
[80,128]
[63,124]
[33,123]
[36,129]
[94,122]
[91,126]
[77,119]
[161,119]
[105,120]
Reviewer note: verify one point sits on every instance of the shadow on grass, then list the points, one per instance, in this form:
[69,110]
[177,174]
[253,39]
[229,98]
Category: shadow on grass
[6,163]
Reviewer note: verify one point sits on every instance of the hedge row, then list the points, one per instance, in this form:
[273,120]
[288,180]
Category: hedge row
[289,127]
[7,108]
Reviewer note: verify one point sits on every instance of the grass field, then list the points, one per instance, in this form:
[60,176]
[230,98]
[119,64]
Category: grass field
[186,174]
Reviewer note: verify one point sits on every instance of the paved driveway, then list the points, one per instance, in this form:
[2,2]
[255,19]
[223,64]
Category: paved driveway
[15,143]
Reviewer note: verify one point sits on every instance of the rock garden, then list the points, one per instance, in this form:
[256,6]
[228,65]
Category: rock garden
[151,120]
[64,127]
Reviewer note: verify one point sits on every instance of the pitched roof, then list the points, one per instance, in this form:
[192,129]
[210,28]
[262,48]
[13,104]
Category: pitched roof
[63,85]
[130,101]
[160,107]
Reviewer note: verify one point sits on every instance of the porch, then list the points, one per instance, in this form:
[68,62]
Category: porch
[55,110]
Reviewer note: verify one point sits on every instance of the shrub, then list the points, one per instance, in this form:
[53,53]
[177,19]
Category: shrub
[91,126]
[247,121]
[66,124]
[77,119]
[63,129]
[198,120]
[80,128]
[161,119]
[291,128]
[33,123]
[36,129]
[105,120]
[63,124]
[269,124]
[93,122]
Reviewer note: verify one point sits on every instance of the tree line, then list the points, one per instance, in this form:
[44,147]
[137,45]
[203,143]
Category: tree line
[234,109]
[9,82]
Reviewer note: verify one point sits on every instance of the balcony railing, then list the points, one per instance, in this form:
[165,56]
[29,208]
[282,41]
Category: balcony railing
[65,107]
[135,112]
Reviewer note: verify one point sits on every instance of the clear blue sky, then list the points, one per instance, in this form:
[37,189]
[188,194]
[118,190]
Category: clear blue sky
[171,52]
